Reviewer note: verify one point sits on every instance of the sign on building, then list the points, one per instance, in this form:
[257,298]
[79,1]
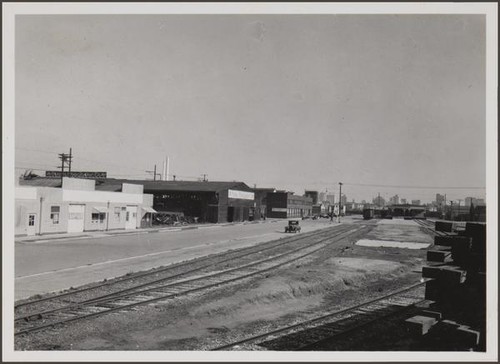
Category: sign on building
[242,195]
[76,174]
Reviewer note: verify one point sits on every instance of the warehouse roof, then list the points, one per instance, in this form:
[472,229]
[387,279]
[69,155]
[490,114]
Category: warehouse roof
[112,184]
[195,186]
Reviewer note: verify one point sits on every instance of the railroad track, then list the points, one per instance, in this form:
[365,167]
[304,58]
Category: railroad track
[188,267]
[430,226]
[160,290]
[312,334]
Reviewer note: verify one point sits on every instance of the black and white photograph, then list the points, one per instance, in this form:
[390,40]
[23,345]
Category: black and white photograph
[250,181]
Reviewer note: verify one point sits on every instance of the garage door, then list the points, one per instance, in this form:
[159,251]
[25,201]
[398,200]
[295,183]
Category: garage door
[76,218]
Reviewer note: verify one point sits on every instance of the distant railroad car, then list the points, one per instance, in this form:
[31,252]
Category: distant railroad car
[368,214]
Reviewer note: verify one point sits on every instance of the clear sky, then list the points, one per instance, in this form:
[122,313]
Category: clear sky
[286,101]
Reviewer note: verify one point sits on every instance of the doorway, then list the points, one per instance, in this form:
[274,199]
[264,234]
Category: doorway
[31,229]
[76,214]
[131,218]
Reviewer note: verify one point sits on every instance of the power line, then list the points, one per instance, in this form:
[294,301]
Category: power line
[329,183]
[80,158]
[35,169]
[36,150]
[41,164]
[418,187]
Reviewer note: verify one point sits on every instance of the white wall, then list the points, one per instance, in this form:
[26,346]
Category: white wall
[148,200]
[25,193]
[78,184]
[132,188]
[101,196]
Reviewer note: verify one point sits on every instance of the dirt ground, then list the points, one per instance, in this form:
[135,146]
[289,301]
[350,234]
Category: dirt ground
[341,275]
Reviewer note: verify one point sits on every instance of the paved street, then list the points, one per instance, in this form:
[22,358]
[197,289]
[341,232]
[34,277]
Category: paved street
[55,265]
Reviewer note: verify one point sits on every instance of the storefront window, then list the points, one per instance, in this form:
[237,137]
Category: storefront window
[98,217]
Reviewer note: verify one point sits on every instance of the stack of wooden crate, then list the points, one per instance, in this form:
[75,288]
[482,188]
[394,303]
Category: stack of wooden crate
[457,287]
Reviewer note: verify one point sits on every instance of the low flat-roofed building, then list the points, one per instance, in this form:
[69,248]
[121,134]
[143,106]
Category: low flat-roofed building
[287,205]
[261,201]
[47,205]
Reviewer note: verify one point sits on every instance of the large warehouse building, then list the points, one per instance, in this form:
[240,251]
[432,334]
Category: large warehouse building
[206,201]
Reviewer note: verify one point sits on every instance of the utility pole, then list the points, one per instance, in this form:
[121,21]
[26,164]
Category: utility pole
[378,203]
[40,217]
[69,166]
[154,172]
[451,211]
[107,217]
[340,200]
[445,205]
[65,159]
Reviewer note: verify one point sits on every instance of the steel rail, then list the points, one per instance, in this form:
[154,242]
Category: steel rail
[284,241]
[120,292]
[349,230]
[317,319]
[358,326]
[429,226]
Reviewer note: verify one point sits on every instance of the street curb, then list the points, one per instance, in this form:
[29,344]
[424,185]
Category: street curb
[101,234]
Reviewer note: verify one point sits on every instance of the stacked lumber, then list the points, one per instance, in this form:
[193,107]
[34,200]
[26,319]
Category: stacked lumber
[456,285]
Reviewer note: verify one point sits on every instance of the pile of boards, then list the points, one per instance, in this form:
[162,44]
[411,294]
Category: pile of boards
[457,288]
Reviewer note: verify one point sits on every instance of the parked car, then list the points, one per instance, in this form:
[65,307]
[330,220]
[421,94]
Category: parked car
[293,226]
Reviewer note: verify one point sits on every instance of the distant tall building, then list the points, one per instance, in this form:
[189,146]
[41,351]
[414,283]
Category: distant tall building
[415,202]
[480,202]
[378,201]
[331,199]
[440,199]
[403,201]
[313,194]
[394,200]
[344,200]
[470,200]
[322,196]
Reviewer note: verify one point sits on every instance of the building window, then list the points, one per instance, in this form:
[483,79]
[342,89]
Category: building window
[98,217]
[117,213]
[31,220]
[54,214]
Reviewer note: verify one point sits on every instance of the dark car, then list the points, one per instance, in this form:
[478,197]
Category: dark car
[293,226]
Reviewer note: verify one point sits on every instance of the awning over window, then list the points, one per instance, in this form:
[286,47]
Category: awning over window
[101,209]
[149,209]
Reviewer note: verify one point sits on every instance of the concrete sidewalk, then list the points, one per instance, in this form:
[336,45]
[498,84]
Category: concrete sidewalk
[102,233]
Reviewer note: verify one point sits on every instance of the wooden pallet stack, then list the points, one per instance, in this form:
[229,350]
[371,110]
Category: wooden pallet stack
[457,287]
